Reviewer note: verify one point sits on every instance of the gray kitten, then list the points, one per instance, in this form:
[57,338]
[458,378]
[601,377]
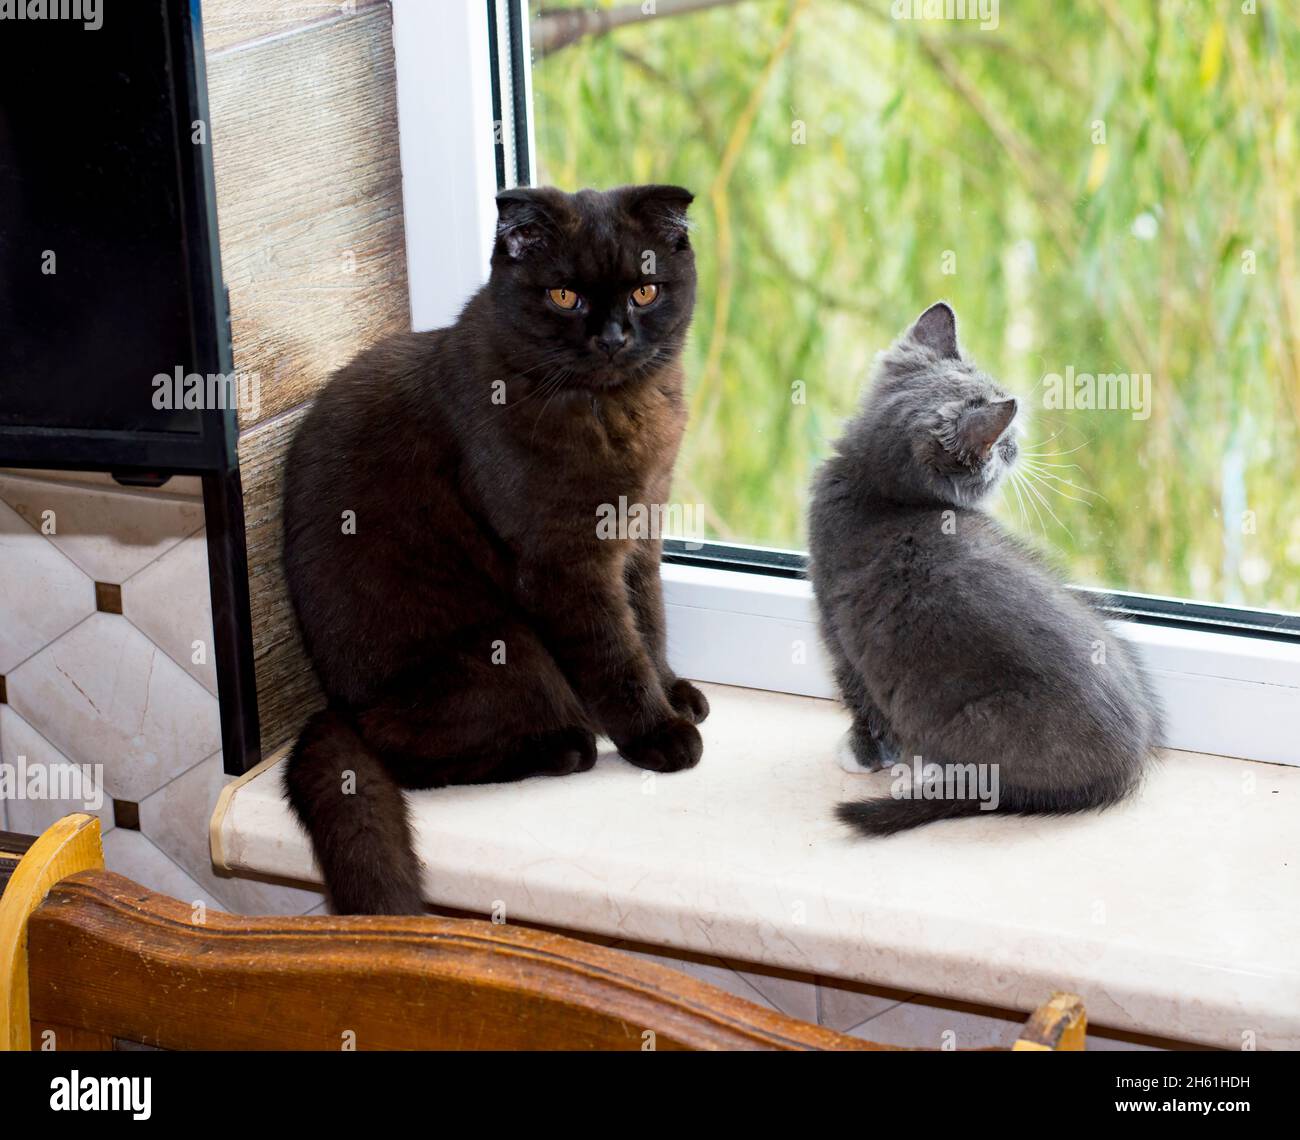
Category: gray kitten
[950,641]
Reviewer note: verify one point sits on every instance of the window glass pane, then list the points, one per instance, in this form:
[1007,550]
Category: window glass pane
[1106,192]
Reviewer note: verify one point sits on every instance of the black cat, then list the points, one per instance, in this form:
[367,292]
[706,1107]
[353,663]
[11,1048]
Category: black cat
[441,545]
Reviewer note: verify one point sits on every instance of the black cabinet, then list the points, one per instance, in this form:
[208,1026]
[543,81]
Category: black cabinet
[114,331]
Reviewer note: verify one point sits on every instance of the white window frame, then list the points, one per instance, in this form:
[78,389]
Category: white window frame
[1223,693]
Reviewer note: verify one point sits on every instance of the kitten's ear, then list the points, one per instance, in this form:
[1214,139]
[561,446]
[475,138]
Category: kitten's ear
[523,221]
[664,207]
[980,428]
[936,329]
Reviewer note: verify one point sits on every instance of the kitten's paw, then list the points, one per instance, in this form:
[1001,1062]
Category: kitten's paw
[859,752]
[687,701]
[670,747]
[847,758]
[565,751]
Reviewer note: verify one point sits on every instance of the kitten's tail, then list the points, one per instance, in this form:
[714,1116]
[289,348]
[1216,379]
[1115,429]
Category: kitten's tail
[887,816]
[355,814]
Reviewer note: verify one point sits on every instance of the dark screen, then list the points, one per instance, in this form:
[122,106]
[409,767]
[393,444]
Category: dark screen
[89,174]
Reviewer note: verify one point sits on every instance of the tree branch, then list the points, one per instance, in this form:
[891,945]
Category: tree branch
[753,225]
[557,28]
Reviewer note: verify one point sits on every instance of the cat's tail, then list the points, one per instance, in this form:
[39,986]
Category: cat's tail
[355,814]
[887,815]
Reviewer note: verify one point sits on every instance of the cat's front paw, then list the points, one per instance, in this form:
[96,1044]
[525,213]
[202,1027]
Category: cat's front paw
[859,752]
[565,751]
[687,701]
[669,747]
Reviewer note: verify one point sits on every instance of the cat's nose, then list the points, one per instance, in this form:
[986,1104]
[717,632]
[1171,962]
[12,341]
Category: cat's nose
[611,339]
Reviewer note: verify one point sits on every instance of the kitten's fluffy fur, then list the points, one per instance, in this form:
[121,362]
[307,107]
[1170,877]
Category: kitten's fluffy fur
[471,626]
[953,642]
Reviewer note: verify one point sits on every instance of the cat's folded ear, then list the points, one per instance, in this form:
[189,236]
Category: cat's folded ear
[524,218]
[980,428]
[936,329]
[664,207]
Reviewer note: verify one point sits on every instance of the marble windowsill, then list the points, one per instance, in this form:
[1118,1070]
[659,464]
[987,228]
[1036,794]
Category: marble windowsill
[1177,914]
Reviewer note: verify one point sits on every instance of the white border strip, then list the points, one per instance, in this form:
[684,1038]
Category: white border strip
[1224,694]
[449,181]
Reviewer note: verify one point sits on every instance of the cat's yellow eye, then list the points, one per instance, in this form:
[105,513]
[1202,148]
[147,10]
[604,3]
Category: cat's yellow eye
[565,299]
[645,295]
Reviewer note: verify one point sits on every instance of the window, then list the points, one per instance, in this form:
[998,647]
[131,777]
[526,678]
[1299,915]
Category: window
[1114,220]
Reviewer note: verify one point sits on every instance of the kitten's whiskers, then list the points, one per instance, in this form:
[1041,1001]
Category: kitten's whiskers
[1058,483]
[1051,454]
[1019,480]
[1020,501]
[1033,490]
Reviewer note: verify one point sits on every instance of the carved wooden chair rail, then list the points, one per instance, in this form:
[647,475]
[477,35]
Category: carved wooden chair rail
[99,962]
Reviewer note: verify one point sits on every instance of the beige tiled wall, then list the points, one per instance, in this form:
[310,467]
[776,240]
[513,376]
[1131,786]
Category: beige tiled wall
[106,659]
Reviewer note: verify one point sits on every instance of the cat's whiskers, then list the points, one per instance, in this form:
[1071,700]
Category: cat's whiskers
[1020,502]
[1018,480]
[1054,466]
[547,358]
[1033,506]
[560,378]
[545,387]
[1043,442]
[1046,487]
[1042,474]
[548,361]
[659,356]
[1053,454]
[1031,487]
